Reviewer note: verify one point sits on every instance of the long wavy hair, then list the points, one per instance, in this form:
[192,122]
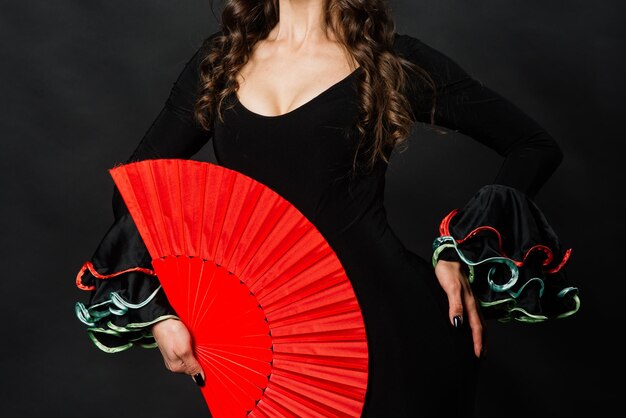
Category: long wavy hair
[366,30]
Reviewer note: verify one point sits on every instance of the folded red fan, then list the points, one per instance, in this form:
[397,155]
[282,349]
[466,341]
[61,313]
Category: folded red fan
[276,325]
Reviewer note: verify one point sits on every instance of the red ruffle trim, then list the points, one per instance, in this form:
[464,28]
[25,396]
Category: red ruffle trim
[89,266]
[444,230]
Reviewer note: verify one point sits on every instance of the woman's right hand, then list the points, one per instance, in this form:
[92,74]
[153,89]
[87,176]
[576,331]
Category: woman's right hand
[174,342]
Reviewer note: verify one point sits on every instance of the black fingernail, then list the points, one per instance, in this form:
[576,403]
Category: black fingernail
[457,321]
[199,380]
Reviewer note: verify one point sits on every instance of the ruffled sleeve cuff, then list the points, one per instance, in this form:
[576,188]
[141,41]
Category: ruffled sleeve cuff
[513,258]
[126,298]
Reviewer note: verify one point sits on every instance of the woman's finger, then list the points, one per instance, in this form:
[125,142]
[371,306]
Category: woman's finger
[475,322]
[475,318]
[449,275]
[192,367]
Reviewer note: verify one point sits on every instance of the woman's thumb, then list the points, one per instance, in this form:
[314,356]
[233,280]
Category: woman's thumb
[195,370]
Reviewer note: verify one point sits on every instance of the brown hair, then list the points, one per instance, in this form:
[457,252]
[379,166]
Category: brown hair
[364,27]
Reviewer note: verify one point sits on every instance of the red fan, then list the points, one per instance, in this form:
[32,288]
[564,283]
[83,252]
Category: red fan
[275,322]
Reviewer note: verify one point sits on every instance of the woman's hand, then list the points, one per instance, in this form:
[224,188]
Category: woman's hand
[174,342]
[461,300]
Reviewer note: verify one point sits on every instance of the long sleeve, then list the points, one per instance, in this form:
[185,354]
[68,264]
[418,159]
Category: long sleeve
[125,297]
[513,257]
[466,105]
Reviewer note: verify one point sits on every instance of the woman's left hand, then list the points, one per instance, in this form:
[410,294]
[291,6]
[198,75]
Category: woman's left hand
[462,304]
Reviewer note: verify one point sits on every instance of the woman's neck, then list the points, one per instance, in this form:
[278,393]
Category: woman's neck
[300,22]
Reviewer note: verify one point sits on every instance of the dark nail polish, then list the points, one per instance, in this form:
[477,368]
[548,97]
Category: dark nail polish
[457,320]
[198,379]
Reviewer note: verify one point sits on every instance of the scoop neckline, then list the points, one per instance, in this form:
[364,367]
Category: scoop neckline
[303,105]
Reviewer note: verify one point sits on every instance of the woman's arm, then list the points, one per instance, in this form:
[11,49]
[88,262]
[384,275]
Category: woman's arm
[125,300]
[174,133]
[525,282]
[465,105]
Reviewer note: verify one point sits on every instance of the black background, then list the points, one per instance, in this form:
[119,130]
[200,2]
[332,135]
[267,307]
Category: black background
[83,80]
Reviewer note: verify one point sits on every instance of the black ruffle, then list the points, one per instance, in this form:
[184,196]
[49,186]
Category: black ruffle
[514,259]
[123,306]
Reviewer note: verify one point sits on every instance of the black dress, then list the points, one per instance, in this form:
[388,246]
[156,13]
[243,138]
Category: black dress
[419,364]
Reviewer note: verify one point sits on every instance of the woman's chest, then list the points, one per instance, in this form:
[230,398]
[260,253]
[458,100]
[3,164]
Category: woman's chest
[317,137]
[300,155]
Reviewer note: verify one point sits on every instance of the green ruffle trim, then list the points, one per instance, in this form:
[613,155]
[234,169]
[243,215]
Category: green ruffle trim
[508,304]
[133,334]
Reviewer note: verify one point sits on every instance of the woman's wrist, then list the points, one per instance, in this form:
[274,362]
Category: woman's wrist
[166,322]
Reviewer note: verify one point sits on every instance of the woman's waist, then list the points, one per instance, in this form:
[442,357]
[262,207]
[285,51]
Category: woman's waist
[369,239]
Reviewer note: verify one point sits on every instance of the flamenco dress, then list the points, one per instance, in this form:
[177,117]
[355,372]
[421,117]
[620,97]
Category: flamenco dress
[419,365]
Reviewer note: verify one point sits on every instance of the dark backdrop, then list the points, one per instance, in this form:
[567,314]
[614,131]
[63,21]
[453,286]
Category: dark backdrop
[83,80]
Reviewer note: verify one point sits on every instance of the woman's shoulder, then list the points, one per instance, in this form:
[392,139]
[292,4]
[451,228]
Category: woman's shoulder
[212,37]
[427,57]
[207,44]
[414,48]
[406,44]
[199,54]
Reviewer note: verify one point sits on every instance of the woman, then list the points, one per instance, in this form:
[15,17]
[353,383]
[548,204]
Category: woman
[310,97]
